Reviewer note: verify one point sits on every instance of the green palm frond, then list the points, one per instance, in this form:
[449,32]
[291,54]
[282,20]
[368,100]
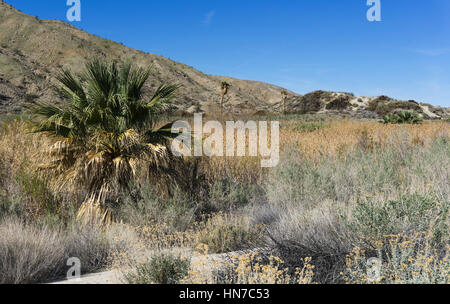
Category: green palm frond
[162,96]
[106,130]
[404,117]
[225,85]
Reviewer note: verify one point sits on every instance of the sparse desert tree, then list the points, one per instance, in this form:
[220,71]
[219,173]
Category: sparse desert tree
[105,131]
[224,86]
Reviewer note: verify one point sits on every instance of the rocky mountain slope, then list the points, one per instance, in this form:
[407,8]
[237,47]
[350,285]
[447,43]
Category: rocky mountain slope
[32,51]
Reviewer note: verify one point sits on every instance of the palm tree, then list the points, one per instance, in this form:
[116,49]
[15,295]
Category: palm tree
[224,86]
[104,133]
[284,95]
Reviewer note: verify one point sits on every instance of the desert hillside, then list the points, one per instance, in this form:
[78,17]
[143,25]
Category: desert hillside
[32,51]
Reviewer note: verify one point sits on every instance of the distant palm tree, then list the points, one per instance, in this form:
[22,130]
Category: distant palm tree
[224,86]
[106,131]
[284,95]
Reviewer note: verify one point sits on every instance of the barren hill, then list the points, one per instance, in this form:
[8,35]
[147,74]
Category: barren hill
[32,51]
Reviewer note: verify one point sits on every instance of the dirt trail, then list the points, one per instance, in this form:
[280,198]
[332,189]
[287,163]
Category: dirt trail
[206,264]
[108,277]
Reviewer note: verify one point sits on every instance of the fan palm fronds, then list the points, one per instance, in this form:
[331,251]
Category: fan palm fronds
[105,132]
[404,117]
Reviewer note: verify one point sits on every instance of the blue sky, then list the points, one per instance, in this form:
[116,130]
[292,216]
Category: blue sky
[302,45]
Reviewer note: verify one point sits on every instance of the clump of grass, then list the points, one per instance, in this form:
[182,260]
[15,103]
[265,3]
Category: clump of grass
[224,233]
[145,205]
[35,193]
[36,254]
[226,196]
[163,268]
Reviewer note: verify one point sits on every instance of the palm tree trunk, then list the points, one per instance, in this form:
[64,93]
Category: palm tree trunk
[221,103]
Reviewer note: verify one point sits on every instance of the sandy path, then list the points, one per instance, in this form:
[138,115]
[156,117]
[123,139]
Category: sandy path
[203,263]
[108,277]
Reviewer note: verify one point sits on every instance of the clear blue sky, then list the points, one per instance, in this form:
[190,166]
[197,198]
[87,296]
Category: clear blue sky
[302,45]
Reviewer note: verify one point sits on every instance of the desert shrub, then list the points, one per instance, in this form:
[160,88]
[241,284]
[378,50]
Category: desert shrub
[400,260]
[339,103]
[383,106]
[92,246]
[403,117]
[312,102]
[373,104]
[163,268]
[35,254]
[251,268]
[29,254]
[373,219]
[316,232]
[224,233]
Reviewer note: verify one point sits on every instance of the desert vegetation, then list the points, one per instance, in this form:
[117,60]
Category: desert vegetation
[345,191]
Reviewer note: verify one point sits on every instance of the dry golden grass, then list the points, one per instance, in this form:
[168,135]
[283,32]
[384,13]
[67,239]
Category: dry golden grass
[345,136]
[335,139]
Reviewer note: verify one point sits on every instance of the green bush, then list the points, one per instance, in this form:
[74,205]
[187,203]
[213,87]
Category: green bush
[340,103]
[404,117]
[384,105]
[160,269]
[312,102]
[374,219]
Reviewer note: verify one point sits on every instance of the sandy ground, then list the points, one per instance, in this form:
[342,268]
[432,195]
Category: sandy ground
[108,277]
[205,264]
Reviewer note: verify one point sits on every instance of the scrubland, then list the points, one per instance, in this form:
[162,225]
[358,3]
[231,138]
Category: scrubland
[345,191]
